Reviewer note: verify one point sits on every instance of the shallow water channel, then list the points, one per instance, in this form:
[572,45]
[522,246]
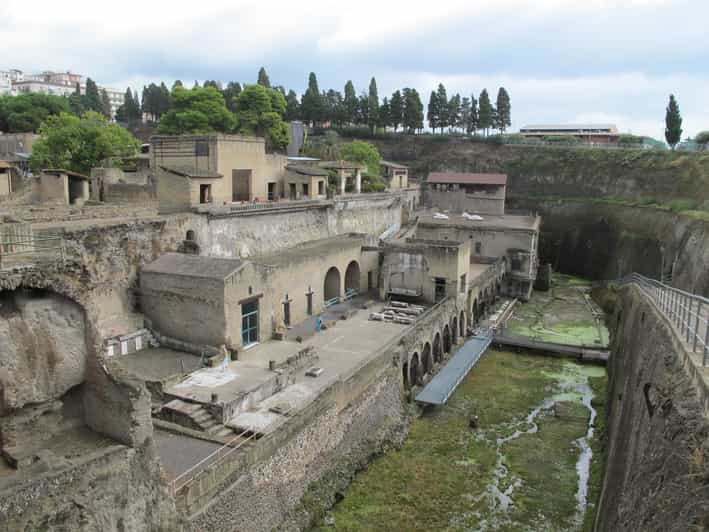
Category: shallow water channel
[533,462]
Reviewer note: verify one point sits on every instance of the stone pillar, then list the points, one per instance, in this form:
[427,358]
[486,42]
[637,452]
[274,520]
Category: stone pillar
[358,181]
[343,181]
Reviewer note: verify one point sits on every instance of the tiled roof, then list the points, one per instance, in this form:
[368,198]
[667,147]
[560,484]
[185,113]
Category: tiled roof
[194,266]
[393,165]
[467,179]
[189,171]
[305,169]
[67,172]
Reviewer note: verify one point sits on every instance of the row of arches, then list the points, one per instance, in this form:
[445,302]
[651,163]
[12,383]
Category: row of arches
[332,283]
[422,363]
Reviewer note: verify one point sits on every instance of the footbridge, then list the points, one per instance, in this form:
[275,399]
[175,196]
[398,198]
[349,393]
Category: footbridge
[444,383]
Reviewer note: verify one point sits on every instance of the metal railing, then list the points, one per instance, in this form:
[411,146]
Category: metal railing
[218,456]
[23,251]
[688,312]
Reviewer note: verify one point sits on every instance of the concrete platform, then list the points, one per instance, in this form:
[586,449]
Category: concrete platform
[159,364]
[179,453]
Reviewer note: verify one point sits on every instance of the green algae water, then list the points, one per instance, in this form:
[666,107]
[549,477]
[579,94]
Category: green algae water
[534,462]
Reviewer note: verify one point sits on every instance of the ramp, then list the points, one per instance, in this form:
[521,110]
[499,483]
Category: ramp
[444,383]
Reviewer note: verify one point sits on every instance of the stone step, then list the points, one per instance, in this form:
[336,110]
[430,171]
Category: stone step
[225,432]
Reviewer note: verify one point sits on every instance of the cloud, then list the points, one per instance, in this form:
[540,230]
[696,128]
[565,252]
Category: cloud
[560,59]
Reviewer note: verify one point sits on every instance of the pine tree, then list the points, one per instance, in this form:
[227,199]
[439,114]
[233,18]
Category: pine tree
[465,113]
[433,112]
[178,83]
[263,78]
[350,103]
[504,110]
[373,106]
[673,123]
[105,104]
[312,105]
[485,113]
[443,119]
[396,110]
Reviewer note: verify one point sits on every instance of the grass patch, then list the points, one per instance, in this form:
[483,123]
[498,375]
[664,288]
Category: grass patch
[438,479]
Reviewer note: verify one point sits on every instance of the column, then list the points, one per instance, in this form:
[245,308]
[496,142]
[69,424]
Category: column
[358,181]
[343,181]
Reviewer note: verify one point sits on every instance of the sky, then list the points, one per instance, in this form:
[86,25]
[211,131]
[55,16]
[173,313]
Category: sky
[562,61]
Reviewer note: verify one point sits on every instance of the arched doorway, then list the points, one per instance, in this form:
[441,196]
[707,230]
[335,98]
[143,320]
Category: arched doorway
[332,284]
[437,347]
[414,370]
[426,359]
[405,375]
[476,313]
[454,329]
[352,281]
[446,339]
[462,324]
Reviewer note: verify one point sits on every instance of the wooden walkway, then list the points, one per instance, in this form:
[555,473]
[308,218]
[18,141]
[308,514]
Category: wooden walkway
[582,353]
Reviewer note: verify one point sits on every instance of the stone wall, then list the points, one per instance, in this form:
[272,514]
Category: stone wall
[658,427]
[113,490]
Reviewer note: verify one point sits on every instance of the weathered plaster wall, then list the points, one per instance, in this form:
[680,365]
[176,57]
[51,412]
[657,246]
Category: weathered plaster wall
[658,427]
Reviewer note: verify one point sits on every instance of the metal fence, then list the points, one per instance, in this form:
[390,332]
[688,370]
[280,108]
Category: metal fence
[688,312]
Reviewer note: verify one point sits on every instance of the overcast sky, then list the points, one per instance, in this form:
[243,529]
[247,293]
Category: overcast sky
[562,61]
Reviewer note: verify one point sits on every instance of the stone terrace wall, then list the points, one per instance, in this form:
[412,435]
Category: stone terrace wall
[658,427]
[113,490]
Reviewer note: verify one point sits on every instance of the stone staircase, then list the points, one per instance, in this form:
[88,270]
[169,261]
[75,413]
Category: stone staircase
[194,416]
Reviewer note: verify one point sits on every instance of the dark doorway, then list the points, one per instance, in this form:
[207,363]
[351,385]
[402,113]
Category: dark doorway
[286,311]
[205,193]
[249,323]
[332,284]
[306,190]
[271,191]
[352,277]
[440,289]
[241,185]
[293,192]
[309,299]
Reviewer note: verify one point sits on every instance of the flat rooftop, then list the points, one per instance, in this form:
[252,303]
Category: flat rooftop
[308,250]
[489,221]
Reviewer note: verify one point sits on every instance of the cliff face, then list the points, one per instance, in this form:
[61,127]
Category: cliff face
[657,469]
[564,172]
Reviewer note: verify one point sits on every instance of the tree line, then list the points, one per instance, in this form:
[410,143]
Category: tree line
[468,115]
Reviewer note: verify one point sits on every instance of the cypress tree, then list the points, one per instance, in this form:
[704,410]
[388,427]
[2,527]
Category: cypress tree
[263,78]
[350,103]
[105,104]
[396,110]
[433,112]
[413,110]
[443,118]
[485,112]
[673,123]
[373,106]
[384,114]
[92,98]
[312,105]
[504,110]
[473,121]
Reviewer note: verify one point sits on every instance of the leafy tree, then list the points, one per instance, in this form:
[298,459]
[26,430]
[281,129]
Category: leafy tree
[26,112]
[413,110]
[504,110]
[79,144]
[396,110]
[350,103]
[212,83]
[230,93]
[292,106]
[105,104]
[92,98]
[373,105]
[259,111]
[199,110]
[263,78]
[312,106]
[330,146]
[702,139]
[434,112]
[333,106]
[673,123]
[485,112]
[384,114]
[443,119]
[364,153]
[178,83]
